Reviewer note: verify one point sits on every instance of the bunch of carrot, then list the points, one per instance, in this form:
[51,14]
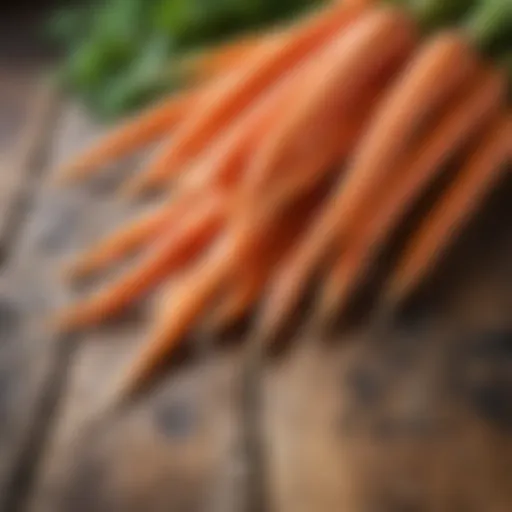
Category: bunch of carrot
[300,150]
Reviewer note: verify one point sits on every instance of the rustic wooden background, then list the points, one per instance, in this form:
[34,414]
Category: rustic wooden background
[414,416]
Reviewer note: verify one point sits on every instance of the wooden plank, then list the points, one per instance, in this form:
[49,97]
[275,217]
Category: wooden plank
[26,105]
[362,428]
[415,416]
[178,450]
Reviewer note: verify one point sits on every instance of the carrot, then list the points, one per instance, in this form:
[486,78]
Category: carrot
[478,174]
[232,95]
[173,251]
[132,135]
[118,244]
[462,120]
[132,237]
[417,93]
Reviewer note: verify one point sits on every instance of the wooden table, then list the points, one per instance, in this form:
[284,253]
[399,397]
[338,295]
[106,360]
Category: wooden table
[411,416]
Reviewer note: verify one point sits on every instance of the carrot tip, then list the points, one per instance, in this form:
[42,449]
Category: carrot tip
[69,173]
[71,319]
[61,323]
[78,271]
[134,188]
[326,310]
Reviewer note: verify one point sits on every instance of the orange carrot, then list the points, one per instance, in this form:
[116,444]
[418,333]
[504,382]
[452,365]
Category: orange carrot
[174,250]
[132,237]
[461,121]
[217,109]
[417,93]
[132,135]
[118,244]
[485,165]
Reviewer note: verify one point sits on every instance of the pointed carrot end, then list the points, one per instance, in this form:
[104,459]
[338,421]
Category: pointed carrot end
[109,405]
[77,270]
[73,318]
[134,188]
[61,323]
[270,325]
[68,174]
[225,316]
[328,306]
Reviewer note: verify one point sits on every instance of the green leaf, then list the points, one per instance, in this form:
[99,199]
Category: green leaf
[147,75]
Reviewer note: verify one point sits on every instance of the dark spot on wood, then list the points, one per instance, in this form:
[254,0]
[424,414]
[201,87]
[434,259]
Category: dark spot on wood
[9,320]
[414,316]
[482,368]
[87,490]
[492,344]
[176,419]
[386,429]
[494,402]
[5,393]
[55,226]
[346,423]
[366,386]
[423,426]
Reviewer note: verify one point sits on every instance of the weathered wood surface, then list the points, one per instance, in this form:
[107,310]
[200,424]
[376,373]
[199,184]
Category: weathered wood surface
[26,114]
[414,416]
